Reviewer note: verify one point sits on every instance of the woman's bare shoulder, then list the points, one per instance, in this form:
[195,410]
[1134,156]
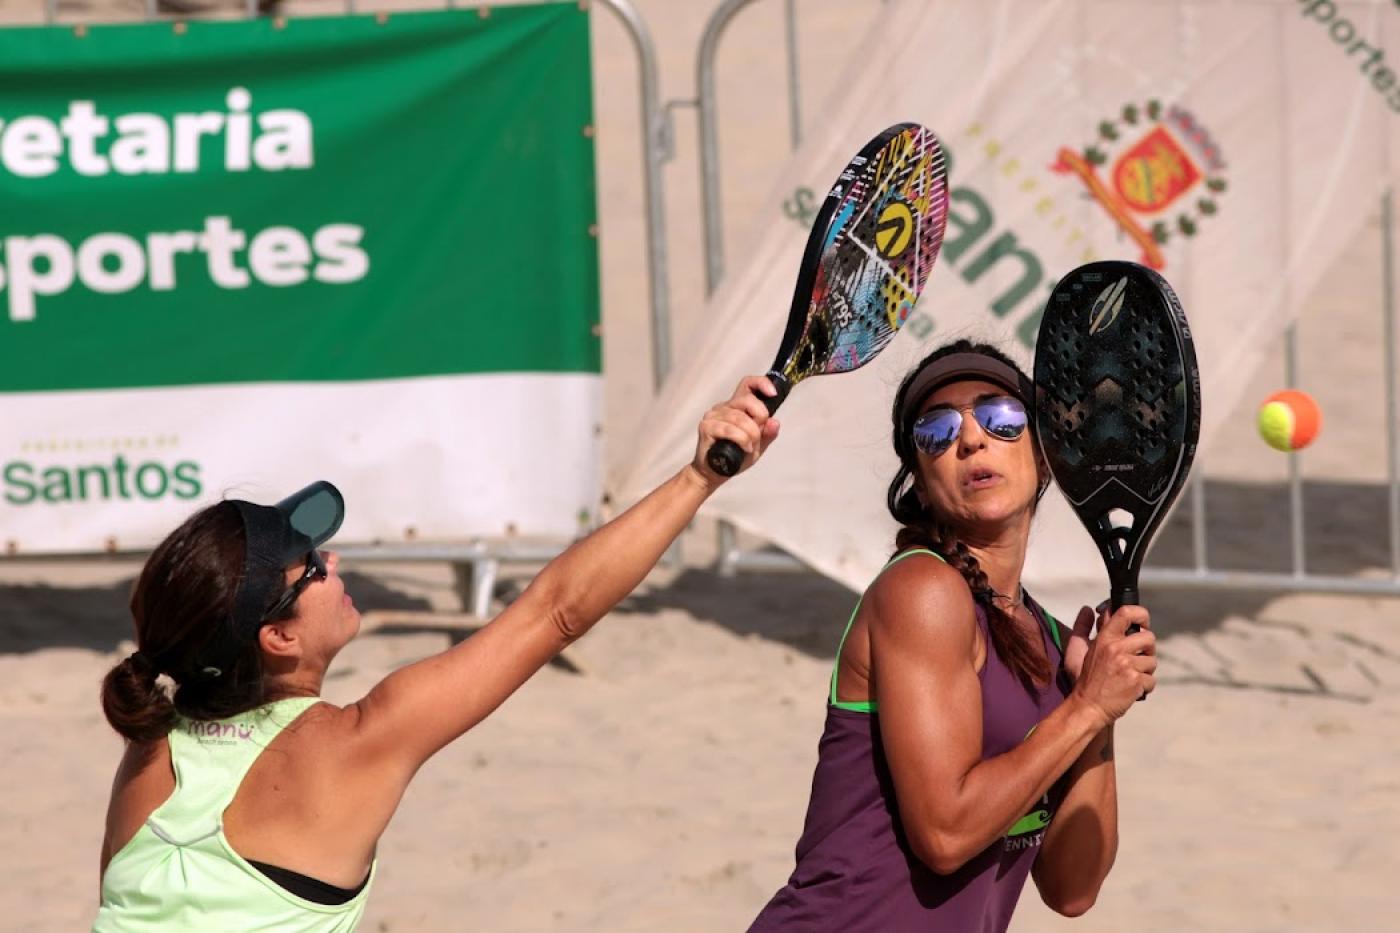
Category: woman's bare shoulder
[335,737]
[144,780]
[923,593]
[142,761]
[322,724]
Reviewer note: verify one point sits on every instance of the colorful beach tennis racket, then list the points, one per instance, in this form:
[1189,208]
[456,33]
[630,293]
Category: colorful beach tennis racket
[872,246]
[1118,407]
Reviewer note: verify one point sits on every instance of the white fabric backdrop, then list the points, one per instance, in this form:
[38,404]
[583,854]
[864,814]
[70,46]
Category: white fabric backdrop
[1285,106]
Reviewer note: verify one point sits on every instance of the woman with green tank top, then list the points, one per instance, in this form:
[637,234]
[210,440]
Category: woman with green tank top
[238,615]
[968,741]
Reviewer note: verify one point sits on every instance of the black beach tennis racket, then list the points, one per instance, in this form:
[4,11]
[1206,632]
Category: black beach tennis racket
[1118,407]
[869,254]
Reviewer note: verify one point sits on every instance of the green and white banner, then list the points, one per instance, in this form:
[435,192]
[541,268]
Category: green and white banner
[236,257]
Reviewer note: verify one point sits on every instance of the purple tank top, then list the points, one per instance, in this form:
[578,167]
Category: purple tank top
[855,871]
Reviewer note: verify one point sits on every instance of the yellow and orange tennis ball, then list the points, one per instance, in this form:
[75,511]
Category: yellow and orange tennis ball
[1289,420]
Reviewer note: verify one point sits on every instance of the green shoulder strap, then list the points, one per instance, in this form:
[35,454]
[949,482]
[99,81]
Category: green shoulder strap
[865,706]
[1051,623]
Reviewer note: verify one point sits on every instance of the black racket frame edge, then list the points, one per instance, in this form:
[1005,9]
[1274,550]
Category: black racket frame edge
[724,456]
[1124,589]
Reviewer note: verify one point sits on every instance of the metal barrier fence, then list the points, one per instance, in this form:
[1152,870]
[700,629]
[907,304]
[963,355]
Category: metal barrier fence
[732,558]
[477,564]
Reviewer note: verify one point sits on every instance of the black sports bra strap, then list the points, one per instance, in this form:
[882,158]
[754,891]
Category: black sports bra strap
[308,888]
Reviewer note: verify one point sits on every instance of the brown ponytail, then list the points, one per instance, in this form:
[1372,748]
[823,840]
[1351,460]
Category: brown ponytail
[183,596]
[134,702]
[920,527]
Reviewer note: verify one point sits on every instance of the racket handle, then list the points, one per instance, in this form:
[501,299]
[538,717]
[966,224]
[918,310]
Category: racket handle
[724,456]
[1123,595]
[1128,596]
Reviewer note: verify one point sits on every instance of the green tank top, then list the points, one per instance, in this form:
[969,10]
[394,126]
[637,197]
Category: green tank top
[180,873]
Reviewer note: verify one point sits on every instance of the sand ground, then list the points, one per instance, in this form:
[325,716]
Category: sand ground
[655,779]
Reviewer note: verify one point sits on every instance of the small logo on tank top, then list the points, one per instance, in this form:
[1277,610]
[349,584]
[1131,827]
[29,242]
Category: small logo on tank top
[1029,831]
[1021,843]
[220,733]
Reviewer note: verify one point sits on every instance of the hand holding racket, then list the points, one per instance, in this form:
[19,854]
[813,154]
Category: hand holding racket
[872,246]
[1116,667]
[1118,408]
[742,420]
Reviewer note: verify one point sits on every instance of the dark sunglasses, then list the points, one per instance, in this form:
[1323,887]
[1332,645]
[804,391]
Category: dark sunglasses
[316,569]
[1002,417]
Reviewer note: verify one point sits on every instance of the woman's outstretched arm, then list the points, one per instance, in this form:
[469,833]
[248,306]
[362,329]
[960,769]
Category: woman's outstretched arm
[417,710]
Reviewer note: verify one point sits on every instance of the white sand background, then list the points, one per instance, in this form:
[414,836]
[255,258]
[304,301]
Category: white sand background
[657,779]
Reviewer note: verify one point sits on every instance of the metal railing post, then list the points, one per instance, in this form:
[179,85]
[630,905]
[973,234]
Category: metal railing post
[1290,340]
[656,143]
[1392,391]
[1198,523]
[709,142]
[711,211]
[794,77]
[1295,472]
[1258,581]
[730,557]
[728,552]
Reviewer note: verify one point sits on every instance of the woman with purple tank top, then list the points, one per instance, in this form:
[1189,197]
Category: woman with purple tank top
[969,737]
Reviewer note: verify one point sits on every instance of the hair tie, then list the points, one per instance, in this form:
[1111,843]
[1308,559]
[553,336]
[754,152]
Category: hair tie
[143,663]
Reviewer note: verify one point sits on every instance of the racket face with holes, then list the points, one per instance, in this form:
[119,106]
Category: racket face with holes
[1118,406]
[868,257]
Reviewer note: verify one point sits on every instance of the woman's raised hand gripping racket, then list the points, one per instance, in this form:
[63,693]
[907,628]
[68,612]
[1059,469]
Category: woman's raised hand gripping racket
[867,259]
[1118,407]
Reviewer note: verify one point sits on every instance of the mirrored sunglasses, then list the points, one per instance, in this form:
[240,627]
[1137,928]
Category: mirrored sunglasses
[1002,417]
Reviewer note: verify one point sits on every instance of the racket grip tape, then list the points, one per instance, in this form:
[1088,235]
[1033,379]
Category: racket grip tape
[1128,596]
[726,457]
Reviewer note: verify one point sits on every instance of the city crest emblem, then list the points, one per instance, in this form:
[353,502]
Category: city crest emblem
[1165,174]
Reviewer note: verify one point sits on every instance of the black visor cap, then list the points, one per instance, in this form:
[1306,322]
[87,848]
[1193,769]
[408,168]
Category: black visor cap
[314,515]
[956,366]
[276,537]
